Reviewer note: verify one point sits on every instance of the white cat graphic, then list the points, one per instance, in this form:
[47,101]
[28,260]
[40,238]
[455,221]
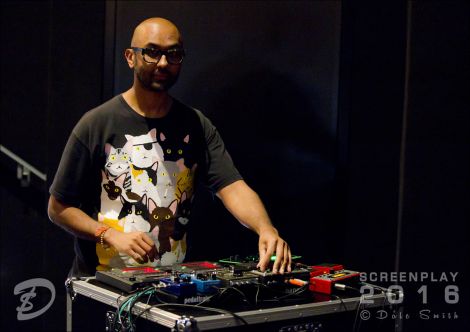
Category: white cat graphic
[145,150]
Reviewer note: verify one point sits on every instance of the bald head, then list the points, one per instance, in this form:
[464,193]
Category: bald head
[155,55]
[157,31]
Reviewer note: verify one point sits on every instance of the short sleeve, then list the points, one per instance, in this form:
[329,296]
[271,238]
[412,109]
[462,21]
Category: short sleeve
[73,173]
[220,169]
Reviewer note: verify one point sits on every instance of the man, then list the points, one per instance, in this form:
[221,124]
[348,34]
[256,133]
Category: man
[125,183]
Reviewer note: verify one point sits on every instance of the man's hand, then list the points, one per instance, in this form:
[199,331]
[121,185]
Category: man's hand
[269,243]
[137,245]
[246,206]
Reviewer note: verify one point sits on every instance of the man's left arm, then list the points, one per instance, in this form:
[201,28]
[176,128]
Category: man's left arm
[246,206]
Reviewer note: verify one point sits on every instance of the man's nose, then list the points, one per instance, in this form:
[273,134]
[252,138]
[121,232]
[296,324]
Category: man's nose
[162,62]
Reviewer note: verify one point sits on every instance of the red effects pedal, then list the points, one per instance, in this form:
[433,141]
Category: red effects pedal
[325,282]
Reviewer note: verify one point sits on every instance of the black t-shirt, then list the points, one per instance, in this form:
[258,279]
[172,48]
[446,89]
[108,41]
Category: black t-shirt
[138,174]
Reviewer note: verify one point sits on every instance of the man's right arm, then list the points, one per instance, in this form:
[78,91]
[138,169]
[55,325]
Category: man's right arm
[137,245]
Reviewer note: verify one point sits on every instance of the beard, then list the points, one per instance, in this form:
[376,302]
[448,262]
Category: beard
[150,82]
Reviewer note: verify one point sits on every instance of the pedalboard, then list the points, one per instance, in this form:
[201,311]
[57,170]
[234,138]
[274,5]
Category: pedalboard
[199,279]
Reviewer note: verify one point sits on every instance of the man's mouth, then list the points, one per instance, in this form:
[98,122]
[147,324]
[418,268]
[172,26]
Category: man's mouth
[160,77]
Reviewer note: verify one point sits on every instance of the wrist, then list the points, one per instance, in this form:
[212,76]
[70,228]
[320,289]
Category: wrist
[108,236]
[267,229]
[100,234]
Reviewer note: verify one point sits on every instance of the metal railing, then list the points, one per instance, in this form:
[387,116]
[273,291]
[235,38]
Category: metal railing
[24,169]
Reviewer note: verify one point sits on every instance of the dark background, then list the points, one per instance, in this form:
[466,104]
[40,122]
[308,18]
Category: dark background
[350,119]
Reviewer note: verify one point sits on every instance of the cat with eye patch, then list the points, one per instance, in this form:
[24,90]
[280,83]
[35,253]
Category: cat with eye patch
[145,150]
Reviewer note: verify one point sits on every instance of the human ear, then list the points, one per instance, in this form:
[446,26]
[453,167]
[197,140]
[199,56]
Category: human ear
[130,57]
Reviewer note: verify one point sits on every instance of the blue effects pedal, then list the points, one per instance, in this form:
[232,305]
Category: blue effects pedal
[205,284]
[179,287]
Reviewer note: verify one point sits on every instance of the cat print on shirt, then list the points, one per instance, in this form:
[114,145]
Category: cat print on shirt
[167,178]
[183,213]
[162,223]
[174,149]
[178,238]
[117,160]
[185,182]
[146,154]
[117,163]
[145,150]
[134,216]
[111,192]
[143,181]
[148,187]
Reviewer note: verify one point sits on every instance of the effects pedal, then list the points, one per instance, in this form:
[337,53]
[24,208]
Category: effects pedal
[206,283]
[196,267]
[248,262]
[325,268]
[131,279]
[297,273]
[237,278]
[179,286]
[325,282]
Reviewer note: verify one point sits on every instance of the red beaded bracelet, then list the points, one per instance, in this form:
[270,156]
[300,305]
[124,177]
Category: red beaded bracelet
[100,233]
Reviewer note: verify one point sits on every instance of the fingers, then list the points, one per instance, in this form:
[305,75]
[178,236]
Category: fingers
[137,245]
[147,239]
[262,252]
[139,258]
[146,243]
[279,256]
[265,255]
[153,253]
[289,259]
[283,260]
[286,260]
